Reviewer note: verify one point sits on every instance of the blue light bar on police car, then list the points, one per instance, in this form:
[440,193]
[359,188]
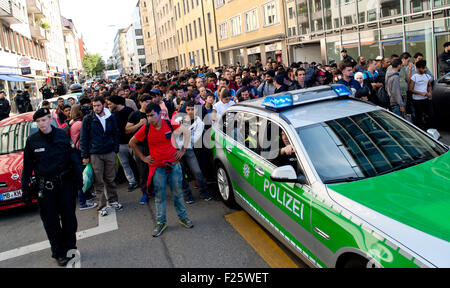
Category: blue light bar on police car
[278,102]
[342,90]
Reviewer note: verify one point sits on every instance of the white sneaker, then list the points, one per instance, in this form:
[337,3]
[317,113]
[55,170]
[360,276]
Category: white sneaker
[103,212]
[115,205]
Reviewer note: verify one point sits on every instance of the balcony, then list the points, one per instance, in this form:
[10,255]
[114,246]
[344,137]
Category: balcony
[38,33]
[10,12]
[34,6]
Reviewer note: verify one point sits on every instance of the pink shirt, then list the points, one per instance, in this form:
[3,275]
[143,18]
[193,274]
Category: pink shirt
[75,131]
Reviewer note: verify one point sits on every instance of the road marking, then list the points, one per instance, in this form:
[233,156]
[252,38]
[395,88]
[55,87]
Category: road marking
[105,224]
[260,241]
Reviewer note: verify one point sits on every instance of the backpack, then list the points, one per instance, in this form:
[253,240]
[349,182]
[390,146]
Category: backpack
[383,98]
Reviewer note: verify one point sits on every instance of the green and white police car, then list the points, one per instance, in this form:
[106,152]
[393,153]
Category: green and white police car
[341,182]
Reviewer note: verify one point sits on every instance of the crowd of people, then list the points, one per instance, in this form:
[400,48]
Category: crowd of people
[134,118]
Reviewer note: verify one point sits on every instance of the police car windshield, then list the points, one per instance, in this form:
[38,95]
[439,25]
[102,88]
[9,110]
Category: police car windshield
[365,145]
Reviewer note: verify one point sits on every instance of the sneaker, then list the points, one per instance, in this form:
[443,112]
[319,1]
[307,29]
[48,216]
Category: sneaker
[115,205]
[159,229]
[132,187]
[103,212]
[62,261]
[190,200]
[144,199]
[206,197]
[186,223]
[88,206]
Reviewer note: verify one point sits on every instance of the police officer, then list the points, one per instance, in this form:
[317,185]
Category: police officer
[57,178]
[5,108]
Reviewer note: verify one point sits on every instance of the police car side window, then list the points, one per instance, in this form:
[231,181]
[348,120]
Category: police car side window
[229,124]
[248,126]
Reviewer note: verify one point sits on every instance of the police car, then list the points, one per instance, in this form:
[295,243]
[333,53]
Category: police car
[341,182]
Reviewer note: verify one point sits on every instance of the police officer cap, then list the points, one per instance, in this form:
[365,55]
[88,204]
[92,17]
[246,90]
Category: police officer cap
[41,113]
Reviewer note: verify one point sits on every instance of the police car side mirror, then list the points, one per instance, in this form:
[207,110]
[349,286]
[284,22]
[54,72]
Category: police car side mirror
[287,174]
[434,133]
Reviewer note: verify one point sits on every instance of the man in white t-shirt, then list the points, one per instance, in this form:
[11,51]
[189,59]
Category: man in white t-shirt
[421,89]
[221,107]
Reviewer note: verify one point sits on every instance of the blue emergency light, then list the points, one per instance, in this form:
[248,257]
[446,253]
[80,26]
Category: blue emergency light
[278,102]
[306,96]
[342,90]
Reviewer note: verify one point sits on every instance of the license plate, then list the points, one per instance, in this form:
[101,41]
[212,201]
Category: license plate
[10,195]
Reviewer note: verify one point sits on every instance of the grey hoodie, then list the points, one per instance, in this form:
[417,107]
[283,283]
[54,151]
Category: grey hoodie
[393,88]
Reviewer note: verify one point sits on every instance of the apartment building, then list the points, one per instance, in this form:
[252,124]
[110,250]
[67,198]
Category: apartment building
[135,43]
[166,35]
[72,48]
[196,33]
[250,30]
[368,28]
[152,53]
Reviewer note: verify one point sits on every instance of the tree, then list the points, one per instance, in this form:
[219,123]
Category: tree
[94,64]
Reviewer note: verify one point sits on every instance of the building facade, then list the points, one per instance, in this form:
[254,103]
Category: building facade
[367,27]
[135,43]
[250,30]
[166,35]
[196,33]
[152,53]
[72,49]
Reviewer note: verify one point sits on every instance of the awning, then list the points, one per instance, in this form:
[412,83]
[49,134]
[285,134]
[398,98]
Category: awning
[19,78]
[14,78]
[6,77]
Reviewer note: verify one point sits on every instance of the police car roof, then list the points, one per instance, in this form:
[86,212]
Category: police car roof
[316,112]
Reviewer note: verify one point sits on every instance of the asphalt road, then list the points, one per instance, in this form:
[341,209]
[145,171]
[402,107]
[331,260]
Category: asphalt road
[212,243]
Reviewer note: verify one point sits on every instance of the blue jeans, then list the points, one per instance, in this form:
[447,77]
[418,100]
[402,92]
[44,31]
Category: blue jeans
[396,110]
[160,180]
[124,152]
[194,167]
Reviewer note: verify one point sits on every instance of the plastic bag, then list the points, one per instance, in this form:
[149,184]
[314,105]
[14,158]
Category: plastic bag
[88,178]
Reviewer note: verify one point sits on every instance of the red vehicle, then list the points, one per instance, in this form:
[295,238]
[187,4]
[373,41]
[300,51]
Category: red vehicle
[14,132]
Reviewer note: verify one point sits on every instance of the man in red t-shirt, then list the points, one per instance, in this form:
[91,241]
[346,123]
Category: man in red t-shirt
[163,163]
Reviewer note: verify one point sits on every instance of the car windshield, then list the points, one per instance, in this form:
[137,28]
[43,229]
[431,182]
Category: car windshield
[365,145]
[14,137]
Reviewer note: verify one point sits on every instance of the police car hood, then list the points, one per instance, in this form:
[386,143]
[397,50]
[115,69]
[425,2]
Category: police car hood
[411,205]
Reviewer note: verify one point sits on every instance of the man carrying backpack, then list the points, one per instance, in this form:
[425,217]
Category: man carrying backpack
[163,163]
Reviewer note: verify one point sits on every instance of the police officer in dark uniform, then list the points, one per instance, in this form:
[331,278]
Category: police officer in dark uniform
[57,177]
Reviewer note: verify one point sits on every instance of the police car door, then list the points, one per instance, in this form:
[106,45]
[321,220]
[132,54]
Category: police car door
[237,156]
[285,205]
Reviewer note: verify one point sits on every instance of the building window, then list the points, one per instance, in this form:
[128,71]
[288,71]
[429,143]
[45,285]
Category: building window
[270,13]
[199,27]
[141,52]
[291,13]
[213,57]
[195,29]
[203,57]
[209,23]
[223,31]
[190,30]
[235,26]
[138,32]
[220,3]
[184,7]
[251,20]
[181,33]
[140,42]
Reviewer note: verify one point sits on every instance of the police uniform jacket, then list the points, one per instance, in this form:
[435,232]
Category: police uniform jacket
[5,108]
[49,156]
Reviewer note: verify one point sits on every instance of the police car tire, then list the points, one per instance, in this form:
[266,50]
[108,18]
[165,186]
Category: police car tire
[356,262]
[230,202]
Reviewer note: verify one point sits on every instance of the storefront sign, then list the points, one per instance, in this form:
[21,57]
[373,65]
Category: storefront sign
[26,71]
[8,70]
[24,62]
[254,50]
[273,47]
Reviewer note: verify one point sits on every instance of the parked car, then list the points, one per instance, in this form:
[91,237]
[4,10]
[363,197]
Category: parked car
[14,132]
[441,102]
[54,101]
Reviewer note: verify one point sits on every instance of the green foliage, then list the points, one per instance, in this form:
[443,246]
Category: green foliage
[94,64]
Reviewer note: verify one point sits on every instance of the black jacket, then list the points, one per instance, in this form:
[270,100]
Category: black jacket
[5,109]
[95,140]
[444,62]
[50,155]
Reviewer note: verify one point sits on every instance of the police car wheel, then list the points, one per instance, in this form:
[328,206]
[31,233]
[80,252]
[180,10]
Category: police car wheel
[224,186]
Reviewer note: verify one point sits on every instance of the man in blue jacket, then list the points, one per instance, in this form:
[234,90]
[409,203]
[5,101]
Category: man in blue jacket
[99,145]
